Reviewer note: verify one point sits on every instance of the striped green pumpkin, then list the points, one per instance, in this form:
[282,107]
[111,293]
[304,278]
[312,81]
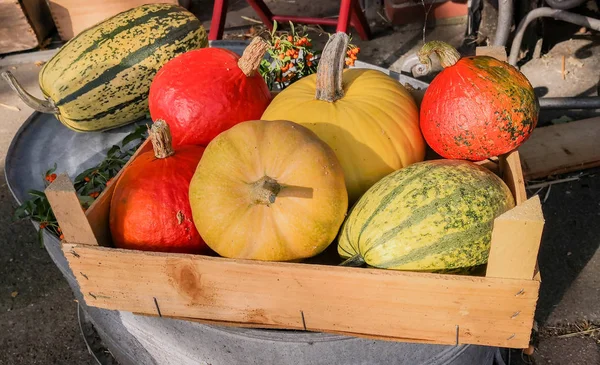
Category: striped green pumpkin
[100,79]
[430,216]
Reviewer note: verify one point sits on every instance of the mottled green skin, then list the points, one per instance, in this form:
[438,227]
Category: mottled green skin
[430,216]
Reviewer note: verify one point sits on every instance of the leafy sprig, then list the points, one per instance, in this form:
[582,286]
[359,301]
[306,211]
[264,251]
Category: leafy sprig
[292,56]
[88,184]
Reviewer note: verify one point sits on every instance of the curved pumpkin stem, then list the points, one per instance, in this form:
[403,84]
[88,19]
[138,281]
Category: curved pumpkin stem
[42,106]
[253,54]
[354,261]
[331,68]
[447,54]
[160,135]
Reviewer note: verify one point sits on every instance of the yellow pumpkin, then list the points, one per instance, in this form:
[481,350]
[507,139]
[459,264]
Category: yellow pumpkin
[268,190]
[369,119]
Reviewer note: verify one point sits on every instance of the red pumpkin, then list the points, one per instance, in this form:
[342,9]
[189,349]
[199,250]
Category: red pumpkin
[204,92]
[150,209]
[476,107]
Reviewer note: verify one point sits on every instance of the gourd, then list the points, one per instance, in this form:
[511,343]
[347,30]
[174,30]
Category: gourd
[207,91]
[435,215]
[476,107]
[369,119]
[100,79]
[149,208]
[268,190]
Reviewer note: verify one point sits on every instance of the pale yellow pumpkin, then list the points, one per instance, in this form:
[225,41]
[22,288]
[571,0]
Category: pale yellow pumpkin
[369,119]
[268,190]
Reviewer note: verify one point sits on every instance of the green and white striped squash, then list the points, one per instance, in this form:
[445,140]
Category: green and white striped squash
[100,79]
[431,216]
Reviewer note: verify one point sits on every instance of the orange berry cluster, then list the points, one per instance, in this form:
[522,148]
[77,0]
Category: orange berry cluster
[352,56]
[50,178]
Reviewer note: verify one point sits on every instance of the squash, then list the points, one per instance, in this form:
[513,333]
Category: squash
[150,209]
[477,107]
[369,119]
[435,215]
[207,91]
[100,79]
[268,190]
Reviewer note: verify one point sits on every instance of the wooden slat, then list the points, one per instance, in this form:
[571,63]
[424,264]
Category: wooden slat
[16,34]
[516,241]
[68,212]
[512,174]
[561,148]
[74,16]
[370,302]
[98,212]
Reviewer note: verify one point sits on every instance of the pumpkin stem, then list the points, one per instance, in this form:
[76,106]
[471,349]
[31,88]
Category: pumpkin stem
[331,68]
[266,190]
[160,135]
[447,54]
[42,106]
[252,56]
[354,261]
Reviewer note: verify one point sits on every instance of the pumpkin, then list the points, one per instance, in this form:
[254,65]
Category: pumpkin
[100,79]
[268,190]
[435,215]
[476,107]
[369,119]
[207,91]
[150,209]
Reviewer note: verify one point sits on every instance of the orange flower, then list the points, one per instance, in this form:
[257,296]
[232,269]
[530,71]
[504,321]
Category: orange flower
[309,56]
[51,178]
[290,38]
[308,63]
[281,56]
[62,236]
[356,50]
[58,229]
[349,62]
[353,56]
[86,179]
[94,194]
[43,225]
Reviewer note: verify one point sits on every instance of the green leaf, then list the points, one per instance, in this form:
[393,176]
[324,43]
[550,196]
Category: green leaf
[85,200]
[37,193]
[274,28]
[50,171]
[292,26]
[40,237]
[114,149]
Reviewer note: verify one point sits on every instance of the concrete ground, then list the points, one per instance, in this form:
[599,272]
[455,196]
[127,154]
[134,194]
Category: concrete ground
[39,317]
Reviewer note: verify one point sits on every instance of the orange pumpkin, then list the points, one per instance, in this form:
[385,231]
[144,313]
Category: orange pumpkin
[150,209]
[268,190]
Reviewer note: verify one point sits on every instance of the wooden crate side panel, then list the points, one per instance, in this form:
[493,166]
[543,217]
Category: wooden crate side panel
[425,307]
[39,16]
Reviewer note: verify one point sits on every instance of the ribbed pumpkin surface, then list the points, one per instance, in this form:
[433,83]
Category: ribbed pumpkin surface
[429,216]
[100,79]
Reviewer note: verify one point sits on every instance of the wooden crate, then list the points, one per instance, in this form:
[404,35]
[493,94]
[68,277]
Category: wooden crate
[74,16]
[23,24]
[495,310]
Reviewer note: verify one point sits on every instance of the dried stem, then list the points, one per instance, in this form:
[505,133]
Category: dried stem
[447,54]
[331,68]
[253,54]
[160,135]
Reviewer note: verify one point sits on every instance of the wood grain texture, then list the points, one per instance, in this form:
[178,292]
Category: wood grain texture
[68,212]
[39,17]
[516,241]
[561,148]
[74,16]
[99,212]
[370,302]
[16,34]
[512,174]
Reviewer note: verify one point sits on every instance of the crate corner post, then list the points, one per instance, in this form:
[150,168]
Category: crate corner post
[67,209]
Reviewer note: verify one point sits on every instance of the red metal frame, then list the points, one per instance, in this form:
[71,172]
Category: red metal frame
[350,14]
